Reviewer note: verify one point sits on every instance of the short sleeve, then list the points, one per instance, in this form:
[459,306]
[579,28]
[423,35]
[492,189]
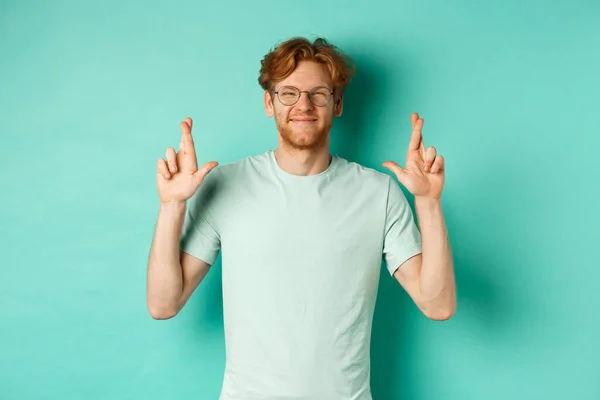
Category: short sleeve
[200,234]
[402,239]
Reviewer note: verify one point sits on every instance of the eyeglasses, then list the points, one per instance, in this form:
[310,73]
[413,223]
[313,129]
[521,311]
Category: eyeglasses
[289,95]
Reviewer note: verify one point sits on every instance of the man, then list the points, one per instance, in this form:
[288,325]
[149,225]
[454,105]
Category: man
[302,234]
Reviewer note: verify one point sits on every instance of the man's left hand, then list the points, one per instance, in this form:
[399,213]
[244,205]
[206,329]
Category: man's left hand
[423,173]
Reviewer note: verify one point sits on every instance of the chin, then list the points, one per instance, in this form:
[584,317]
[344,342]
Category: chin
[297,136]
[304,141]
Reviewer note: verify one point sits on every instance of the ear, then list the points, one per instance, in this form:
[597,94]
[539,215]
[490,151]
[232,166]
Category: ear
[268,102]
[338,106]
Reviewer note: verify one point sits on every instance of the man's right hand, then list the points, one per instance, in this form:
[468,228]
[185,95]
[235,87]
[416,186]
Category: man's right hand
[178,176]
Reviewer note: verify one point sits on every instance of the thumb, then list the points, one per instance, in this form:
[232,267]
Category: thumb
[203,171]
[396,169]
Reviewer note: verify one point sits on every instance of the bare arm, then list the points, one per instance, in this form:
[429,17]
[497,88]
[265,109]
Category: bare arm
[429,278]
[172,274]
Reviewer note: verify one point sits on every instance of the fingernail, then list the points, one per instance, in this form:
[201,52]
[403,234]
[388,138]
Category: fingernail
[172,168]
[167,175]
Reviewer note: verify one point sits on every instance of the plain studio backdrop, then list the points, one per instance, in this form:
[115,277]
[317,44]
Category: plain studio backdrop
[92,93]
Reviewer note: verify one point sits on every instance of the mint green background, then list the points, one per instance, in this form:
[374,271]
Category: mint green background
[91,95]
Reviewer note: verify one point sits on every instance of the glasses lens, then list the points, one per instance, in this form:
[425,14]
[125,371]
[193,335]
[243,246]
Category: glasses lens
[288,95]
[320,96]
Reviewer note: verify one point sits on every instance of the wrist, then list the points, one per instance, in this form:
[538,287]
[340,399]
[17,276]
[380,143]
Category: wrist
[428,200]
[172,205]
[428,203]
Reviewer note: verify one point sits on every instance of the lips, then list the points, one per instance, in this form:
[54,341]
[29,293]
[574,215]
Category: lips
[303,119]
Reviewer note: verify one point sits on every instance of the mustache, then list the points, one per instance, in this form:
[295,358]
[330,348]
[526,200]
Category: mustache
[303,116]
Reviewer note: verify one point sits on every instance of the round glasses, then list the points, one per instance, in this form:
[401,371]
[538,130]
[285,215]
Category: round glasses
[289,95]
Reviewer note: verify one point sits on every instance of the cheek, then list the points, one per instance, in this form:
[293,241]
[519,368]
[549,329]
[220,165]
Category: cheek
[326,114]
[281,116]
[282,113]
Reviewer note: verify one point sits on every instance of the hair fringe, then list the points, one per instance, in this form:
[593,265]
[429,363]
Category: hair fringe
[281,61]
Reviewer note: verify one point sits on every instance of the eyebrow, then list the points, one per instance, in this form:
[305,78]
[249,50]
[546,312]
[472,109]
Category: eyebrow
[314,87]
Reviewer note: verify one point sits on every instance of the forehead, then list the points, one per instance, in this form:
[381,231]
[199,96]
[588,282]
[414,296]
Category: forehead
[308,74]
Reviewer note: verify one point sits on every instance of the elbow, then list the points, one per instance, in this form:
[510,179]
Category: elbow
[160,312]
[441,313]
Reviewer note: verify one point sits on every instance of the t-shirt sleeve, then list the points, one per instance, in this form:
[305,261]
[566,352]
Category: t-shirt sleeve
[402,239]
[200,234]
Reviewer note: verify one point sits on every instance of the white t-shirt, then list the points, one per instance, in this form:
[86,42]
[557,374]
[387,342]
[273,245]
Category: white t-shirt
[301,260]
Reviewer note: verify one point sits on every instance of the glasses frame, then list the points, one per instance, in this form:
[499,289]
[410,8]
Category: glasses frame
[308,92]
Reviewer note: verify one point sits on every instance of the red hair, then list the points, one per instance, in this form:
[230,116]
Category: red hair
[281,61]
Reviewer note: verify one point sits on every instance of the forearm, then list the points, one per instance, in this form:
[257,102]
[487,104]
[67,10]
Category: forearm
[437,282]
[165,276]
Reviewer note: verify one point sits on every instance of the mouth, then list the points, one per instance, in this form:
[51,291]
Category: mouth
[303,120]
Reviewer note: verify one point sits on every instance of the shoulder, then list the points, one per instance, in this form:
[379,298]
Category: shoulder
[243,166]
[239,170]
[363,175]
[225,181]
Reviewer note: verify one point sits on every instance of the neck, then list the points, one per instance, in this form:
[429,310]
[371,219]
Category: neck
[303,162]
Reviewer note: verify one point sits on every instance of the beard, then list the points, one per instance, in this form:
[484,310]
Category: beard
[303,137]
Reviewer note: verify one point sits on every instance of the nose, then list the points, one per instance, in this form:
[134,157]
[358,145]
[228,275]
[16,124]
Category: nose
[304,103]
